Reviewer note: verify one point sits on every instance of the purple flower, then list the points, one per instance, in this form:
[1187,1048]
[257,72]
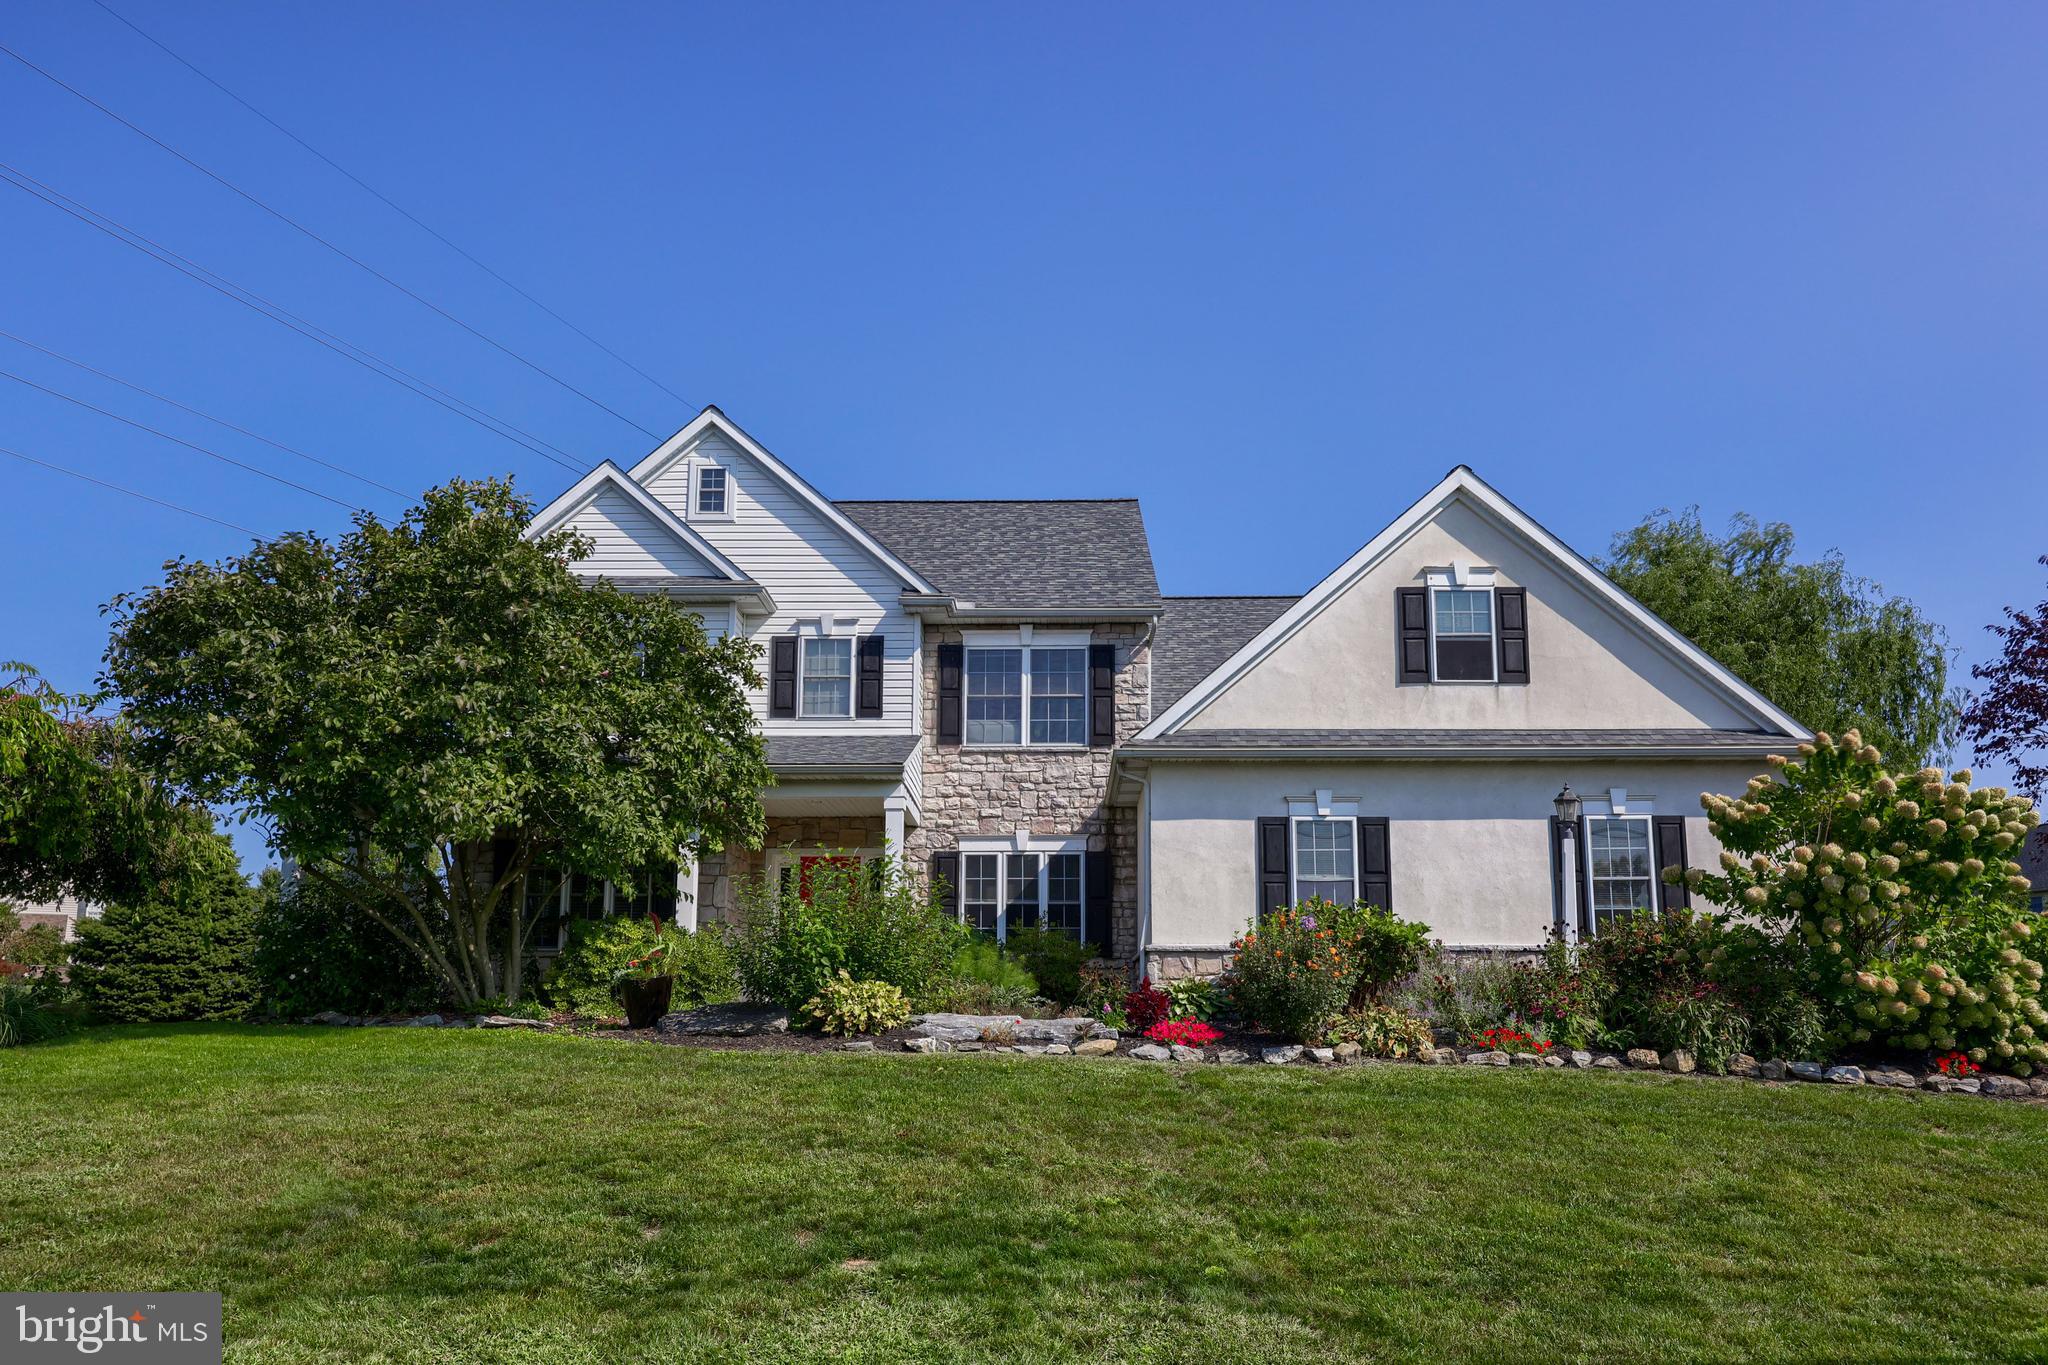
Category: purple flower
[1308,922]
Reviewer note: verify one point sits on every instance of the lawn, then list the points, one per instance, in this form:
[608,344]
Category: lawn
[369,1195]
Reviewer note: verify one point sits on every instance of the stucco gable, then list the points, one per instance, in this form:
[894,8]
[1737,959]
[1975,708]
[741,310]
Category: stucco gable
[1598,658]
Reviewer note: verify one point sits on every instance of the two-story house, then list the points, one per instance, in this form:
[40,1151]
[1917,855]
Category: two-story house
[998,691]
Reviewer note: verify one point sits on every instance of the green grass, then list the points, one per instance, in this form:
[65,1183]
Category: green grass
[370,1195]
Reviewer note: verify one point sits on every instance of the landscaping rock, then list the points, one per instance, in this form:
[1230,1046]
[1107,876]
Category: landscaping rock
[1323,1056]
[923,1045]
[1524,1059]
[1438,1056]
[1151,1052]
[1951,1085]
[334,1018]
[1807,1071]
[1643,1059]
[2039,1085]
[723,1021]
[1742,1064]
[1845,1075]
[424,1021]
[1892,1076]
[1607,1062]
[1577,1057]
[967,1045]
[1061,1050]
[1233,1056]
[1486,1059]
[1278,1056]
[1032,1049]
[1095,1047]
[1183,1053]
[972,1028]
[2005,1087]
[1551,1059]
[507,1021]
[1773,1070]
[1349,1052]
[1680,1062]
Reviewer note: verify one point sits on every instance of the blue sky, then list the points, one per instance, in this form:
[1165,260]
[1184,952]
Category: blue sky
[1273,269]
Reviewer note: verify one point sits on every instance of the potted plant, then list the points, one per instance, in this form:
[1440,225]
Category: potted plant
[644,987]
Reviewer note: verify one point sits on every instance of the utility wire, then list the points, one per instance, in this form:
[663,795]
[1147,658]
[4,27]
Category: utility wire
[297,226]
[129,491]
[177,440]
[386,200]
[255,302]
[183,407]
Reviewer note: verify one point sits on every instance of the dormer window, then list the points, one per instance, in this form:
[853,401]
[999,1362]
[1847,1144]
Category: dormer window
[1462,634]
[714,493]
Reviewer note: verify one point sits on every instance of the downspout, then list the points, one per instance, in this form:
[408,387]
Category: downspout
[1144,867]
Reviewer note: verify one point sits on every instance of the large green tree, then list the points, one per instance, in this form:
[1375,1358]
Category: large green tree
[421,714]
[1826,646]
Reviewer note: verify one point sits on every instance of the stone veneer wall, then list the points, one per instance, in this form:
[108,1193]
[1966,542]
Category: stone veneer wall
[1051,792]
[719,875]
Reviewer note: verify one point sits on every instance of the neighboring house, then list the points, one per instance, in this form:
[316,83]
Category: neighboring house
[999,691]
[2034,861]
[61,914]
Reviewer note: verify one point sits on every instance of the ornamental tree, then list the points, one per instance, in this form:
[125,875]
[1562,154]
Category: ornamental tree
[423,714]
[1894,894]
[2008,720]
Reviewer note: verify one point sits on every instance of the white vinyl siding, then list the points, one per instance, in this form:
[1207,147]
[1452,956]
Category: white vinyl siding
[628,543]
[811,568]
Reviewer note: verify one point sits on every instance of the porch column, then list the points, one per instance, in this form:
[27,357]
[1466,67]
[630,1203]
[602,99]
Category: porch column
[686,889]
[892,826]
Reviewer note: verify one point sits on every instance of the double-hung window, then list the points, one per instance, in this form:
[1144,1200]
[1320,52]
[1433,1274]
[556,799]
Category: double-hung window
[1462,634]
[1036,695]
[1326,858]
[1621,878]
[827,676]
[714,492]
[1010,892]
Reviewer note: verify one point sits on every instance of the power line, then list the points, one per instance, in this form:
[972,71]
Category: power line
[385,200]
[129,491]
[299,227]
[177,440]
[184,407]
[284,317]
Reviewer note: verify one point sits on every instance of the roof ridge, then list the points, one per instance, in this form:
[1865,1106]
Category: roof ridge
[945,502]
[1230,597]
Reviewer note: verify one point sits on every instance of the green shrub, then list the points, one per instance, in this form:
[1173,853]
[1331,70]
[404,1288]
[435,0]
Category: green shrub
[1054,959]
[1291,975]
[1195,997]
[184,953]
[34,1010]
[317,951]
[965,995]
[848,1006]
[1102,988]
[34,946]
[982,960]
[1467,995]
[1895,896]
[585,975]
[1381,1031]
[870,922]
[1385,949]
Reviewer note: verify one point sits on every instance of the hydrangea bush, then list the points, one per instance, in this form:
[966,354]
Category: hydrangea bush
[1895,896]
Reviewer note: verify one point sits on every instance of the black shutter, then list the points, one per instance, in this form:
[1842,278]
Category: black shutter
[1511,621]
[1411,621]
[788,879]
[1670,837]
[1101,695]
[1375,870]
[952,663]
[1272,863]
[1095,904]
[946,880]
[782,676]
[868,681]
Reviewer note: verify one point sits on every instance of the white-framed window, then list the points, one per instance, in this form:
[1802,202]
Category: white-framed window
[713,497]
[1621,871]
[1325,858]
[825,676]
[1461,634]
[552,900]
[1024,691]
[1002,890]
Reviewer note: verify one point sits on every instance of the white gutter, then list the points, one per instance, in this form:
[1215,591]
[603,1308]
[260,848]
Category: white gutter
[1270,752]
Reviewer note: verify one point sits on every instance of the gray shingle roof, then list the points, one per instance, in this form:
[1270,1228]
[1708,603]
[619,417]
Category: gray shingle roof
[796,752]
[1734,742]
[1196,634]
[1021,554]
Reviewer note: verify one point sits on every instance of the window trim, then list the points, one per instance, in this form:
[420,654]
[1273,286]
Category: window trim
[1294,877]
[1042,849]
[1025,640]
[697,512]
[1643,816]
[612,908]
[803,656]
[1492,678]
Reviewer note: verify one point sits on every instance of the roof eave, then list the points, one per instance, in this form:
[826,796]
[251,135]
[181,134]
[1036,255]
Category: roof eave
[942,609]
[1487,753]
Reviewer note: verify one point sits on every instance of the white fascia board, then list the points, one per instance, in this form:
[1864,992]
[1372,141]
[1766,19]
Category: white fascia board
[670,450]
[1135,751]
[1462,483]
[608,474]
